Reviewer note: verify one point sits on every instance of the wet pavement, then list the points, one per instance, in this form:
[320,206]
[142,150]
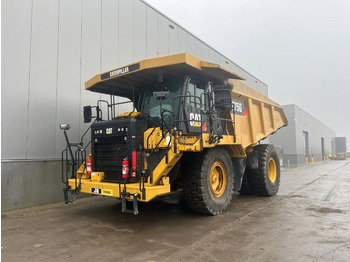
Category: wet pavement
[308,220]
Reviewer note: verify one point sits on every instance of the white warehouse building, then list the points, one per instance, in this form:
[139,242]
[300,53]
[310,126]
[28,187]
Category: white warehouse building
[49,49]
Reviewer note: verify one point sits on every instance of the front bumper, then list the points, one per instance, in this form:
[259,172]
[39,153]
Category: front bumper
[115,189]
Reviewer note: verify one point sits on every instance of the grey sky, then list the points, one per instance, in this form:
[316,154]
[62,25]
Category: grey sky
[300,49]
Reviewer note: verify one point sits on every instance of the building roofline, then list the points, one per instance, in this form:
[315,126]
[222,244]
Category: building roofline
[296,106]
[155,9]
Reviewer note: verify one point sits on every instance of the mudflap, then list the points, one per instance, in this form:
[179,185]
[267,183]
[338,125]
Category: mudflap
[239,165]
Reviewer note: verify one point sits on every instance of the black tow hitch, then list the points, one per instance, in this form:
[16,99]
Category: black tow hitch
[135,209]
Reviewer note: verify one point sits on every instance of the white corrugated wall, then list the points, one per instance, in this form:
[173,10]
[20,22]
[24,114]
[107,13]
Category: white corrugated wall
[51,47]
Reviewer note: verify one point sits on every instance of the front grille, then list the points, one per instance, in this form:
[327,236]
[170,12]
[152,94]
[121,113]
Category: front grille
[109,153]
[112,141]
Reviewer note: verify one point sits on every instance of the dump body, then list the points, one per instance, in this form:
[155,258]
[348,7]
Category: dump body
[183,108]
[261,116]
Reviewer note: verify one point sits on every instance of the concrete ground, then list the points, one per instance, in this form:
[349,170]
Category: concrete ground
[308,220]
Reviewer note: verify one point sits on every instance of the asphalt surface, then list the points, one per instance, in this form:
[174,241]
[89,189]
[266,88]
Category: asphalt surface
[308,220]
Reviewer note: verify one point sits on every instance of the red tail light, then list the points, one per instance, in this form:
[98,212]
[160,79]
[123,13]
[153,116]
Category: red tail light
[133,163]
[89,166]
[125,168]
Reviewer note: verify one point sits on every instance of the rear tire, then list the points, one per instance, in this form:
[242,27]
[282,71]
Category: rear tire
[208,181]
[265,181]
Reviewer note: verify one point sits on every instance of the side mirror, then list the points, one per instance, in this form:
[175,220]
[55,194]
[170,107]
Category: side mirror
[161,95]
[223,97]
[87,114]
[65,126]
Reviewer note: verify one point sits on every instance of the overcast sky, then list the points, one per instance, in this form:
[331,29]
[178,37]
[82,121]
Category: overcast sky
[299,48]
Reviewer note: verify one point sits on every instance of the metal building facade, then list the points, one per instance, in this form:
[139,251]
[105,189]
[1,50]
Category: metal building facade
[305,137]
[49,49]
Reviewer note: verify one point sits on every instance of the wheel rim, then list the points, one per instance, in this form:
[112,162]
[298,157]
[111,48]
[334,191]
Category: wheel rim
[217,179]
[272,170]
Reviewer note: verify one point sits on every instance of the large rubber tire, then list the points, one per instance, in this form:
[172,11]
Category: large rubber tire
[265,181]
[208,180]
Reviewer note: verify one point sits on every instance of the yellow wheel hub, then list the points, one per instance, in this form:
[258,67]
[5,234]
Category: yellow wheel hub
[217,179]
[272,170]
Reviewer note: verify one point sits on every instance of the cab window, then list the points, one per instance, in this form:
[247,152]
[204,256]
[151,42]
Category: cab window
[195,90]
[151,106]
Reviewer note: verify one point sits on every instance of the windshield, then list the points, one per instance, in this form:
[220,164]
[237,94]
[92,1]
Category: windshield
[151,106]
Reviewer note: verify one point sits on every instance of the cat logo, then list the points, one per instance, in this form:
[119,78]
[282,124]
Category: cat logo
[196,118]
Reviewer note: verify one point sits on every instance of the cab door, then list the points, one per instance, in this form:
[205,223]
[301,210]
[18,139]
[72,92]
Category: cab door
[195,104]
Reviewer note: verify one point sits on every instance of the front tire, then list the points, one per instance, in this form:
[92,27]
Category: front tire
[208,181]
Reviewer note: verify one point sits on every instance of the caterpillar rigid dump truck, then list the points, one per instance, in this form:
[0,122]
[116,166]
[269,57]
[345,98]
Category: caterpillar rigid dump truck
[193,125]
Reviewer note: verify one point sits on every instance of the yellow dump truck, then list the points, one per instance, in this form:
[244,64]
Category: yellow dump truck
[193,125]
